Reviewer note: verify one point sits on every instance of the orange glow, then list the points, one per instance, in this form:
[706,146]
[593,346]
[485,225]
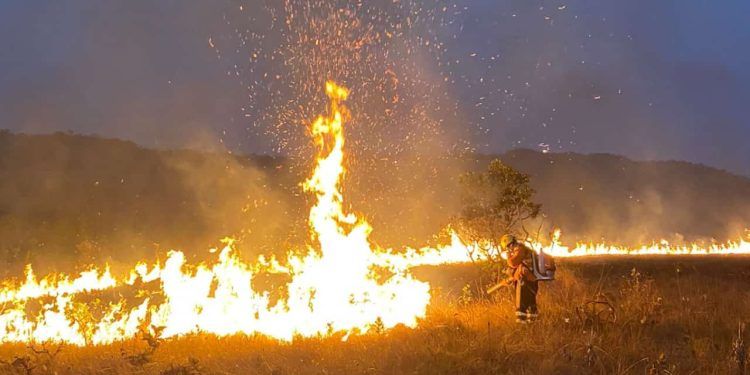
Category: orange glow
[332,289]
[333,286]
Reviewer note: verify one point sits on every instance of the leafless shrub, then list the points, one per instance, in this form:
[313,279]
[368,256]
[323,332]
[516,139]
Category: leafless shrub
[640,299]
[151,336]
[190,368]
[590,351]
[596,313]
[45,357]
[42,358]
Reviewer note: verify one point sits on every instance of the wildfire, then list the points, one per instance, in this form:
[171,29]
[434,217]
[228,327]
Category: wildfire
[341,284]
[334,287]
[740,246]
[459,251]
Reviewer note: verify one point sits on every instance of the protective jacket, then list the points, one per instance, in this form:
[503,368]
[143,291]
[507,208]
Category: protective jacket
[520,261]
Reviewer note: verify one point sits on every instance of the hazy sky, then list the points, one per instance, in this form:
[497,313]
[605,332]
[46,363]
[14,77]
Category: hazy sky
[646,79]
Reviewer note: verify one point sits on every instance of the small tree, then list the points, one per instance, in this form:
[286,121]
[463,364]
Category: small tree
[495,202]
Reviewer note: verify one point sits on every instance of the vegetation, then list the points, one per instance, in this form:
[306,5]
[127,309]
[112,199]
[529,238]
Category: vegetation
[86,199]
[653,316]
[495,202]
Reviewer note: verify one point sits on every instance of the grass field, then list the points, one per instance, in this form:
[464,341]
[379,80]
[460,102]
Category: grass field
[609,316]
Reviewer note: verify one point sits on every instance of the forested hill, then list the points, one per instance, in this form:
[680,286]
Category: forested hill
[71,196]
[618,199]
[84,197]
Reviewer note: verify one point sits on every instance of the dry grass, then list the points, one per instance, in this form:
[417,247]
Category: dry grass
[666,317]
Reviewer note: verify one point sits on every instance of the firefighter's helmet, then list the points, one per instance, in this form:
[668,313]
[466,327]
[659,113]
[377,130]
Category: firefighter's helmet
[507,240]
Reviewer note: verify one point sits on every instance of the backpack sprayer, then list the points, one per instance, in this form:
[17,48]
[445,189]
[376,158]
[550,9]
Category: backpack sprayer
[542,267]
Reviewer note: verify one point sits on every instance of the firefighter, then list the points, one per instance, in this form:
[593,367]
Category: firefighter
[520,261]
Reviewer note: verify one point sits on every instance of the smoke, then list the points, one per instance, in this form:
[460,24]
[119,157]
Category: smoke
[68,200]
[606,198]
[251,199]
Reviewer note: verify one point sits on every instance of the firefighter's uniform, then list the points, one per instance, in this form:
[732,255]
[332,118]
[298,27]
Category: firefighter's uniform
[526,284]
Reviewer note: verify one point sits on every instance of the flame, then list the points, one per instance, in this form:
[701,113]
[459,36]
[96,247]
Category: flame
[459,251]
[341,284]
[663,247]
[334,287]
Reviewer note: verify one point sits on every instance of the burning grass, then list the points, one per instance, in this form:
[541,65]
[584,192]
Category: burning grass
[674,315]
